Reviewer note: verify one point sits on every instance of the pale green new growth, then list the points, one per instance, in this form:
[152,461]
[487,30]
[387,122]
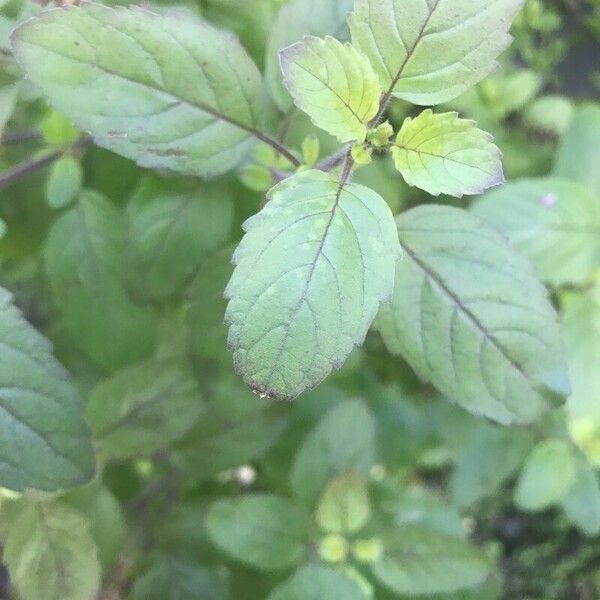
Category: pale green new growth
[167,91]
[430,51]
[443,154]
[51,554]
[469,315]
[334,84]
[311,272]
[44,441]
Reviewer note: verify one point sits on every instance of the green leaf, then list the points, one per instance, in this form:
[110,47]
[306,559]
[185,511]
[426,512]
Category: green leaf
[44,442]
[443,154]
[51,555]
[430,51]
[582,502]
[342,441]
[84,256]
[333,84]
[310,273]
[166,90]
[64,182]
[554,222]
[173,230]
[318,582]
[58,130]
[236,428]
[549,114]
[174,578]
[105,517]
[143,408]
[296,19]
[420,561]
[344,506]
[581,328]
[261,530]
[491,456]
[470,317]
[547,475]
[577,156]
[8,100]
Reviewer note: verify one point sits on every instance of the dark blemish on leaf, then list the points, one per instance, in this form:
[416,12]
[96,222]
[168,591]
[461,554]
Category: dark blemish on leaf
[167,152]
[117,134]
[263,392]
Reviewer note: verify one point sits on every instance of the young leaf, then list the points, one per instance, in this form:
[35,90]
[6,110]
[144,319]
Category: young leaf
[554,222]
[127,410]
[64,182]
[296,19]
[470,316]
[420,561]
[443,154]
[430,51]
[318,582]
[344,506]
[44,442]
[85,266]
[167,91]
[582,502]
[342,441]
[334,84]
[261,530]
[172,231]
[51,555]
[547,475]
[310,274]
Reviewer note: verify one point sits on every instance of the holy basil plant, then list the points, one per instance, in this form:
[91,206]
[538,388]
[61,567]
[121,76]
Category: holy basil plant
[324,254]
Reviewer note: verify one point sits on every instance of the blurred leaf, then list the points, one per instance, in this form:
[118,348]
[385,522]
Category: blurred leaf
[318,582]
[582,502]
[51,555]
[342,441]
[172,231]
[295,20]
[172,578]
[461,281]
[554,222]
[438,51]
[420,561]
[443,154]
[334,84]
[547,475]
[144,408]
[261,530]
[8,100]
[84,263]
[549,114]
[44,441]
[117,74]
[58,129]
[344,506]
[300,302]
[64,182]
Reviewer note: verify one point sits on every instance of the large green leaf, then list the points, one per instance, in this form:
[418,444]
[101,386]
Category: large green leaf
[342,441]
[173,229]
[334,84]
[443,154]
[144,408]
[311,271]
[547,475]
[555,222]
[166,90]
[581,327]
[51,555]
[318,582]
[577,156]
[296,19]
[420,561]
[84,256]
[44,441]
[430,51]
[262,530]
[470,316]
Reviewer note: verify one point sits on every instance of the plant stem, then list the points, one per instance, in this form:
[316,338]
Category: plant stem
[28,167]
[267,139]
[16,137]
[332,161]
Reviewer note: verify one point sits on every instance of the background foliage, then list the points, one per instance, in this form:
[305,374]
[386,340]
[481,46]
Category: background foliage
[373,485]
